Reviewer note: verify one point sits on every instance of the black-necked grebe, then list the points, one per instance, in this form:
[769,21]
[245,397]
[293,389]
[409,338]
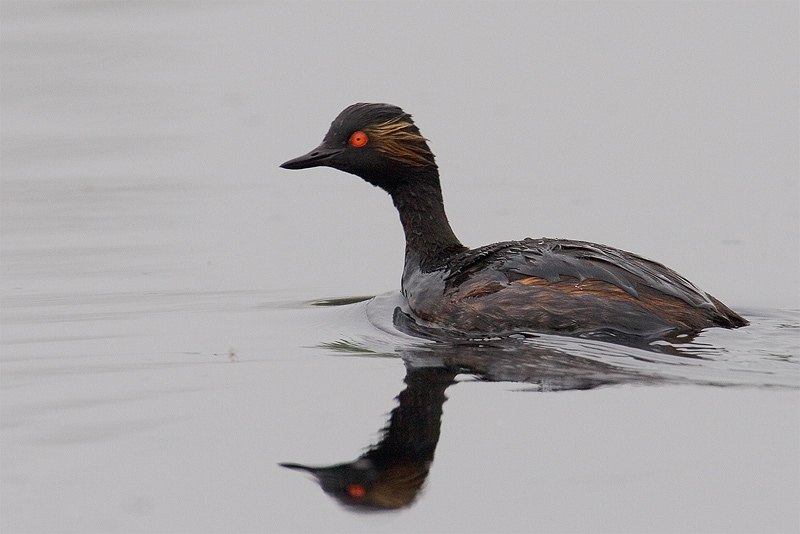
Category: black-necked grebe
[543,285]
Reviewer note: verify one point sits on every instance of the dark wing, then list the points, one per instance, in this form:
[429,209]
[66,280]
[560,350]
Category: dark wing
[555,259]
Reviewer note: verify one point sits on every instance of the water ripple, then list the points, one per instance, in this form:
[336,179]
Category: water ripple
[764,354]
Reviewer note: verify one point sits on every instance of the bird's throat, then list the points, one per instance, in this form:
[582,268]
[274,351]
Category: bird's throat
[429,238]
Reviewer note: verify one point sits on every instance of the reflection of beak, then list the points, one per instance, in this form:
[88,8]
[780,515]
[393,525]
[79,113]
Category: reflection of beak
[299,467]
[319,157]
[336,480]
[322,474]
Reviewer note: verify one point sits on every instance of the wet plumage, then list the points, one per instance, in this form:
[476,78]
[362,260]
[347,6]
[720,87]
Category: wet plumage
[549,285]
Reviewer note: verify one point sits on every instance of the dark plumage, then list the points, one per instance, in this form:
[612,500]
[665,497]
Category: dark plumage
[550,285]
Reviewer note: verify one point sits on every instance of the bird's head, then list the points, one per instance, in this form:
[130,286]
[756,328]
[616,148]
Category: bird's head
[378,142]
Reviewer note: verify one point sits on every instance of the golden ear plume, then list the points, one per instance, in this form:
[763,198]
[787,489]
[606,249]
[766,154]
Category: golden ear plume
[394,139]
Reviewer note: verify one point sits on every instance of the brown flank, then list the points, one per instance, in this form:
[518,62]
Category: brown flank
[665,306]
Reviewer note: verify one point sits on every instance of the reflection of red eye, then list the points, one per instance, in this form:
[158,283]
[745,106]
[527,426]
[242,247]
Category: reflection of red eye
[356,490]
[358,139]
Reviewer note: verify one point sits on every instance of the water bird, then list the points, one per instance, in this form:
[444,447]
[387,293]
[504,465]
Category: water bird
[539,285]
[391,473]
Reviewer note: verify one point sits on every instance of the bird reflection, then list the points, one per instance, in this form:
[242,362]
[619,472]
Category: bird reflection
[391,473]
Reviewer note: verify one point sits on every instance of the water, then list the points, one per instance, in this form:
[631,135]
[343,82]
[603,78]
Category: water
[179,316]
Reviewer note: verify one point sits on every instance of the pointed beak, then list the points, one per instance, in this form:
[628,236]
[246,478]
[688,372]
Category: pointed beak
[319,473]
[297,467]
[318,157]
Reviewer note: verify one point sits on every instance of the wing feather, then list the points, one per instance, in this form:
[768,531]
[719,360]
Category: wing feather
[556,259]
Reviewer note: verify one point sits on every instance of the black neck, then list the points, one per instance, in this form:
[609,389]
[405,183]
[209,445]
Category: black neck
[414,426]
[429,238]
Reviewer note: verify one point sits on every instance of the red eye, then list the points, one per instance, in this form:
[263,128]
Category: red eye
[358,139]
[356,490]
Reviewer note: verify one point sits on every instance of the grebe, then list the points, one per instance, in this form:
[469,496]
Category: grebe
[540,285]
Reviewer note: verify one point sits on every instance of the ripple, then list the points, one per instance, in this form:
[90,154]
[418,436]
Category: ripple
[764,354]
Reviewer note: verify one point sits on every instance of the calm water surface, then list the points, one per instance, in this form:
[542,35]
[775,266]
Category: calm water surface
[179,316]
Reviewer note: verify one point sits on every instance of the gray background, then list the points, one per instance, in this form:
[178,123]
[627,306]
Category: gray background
[668,129]
[158,363]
